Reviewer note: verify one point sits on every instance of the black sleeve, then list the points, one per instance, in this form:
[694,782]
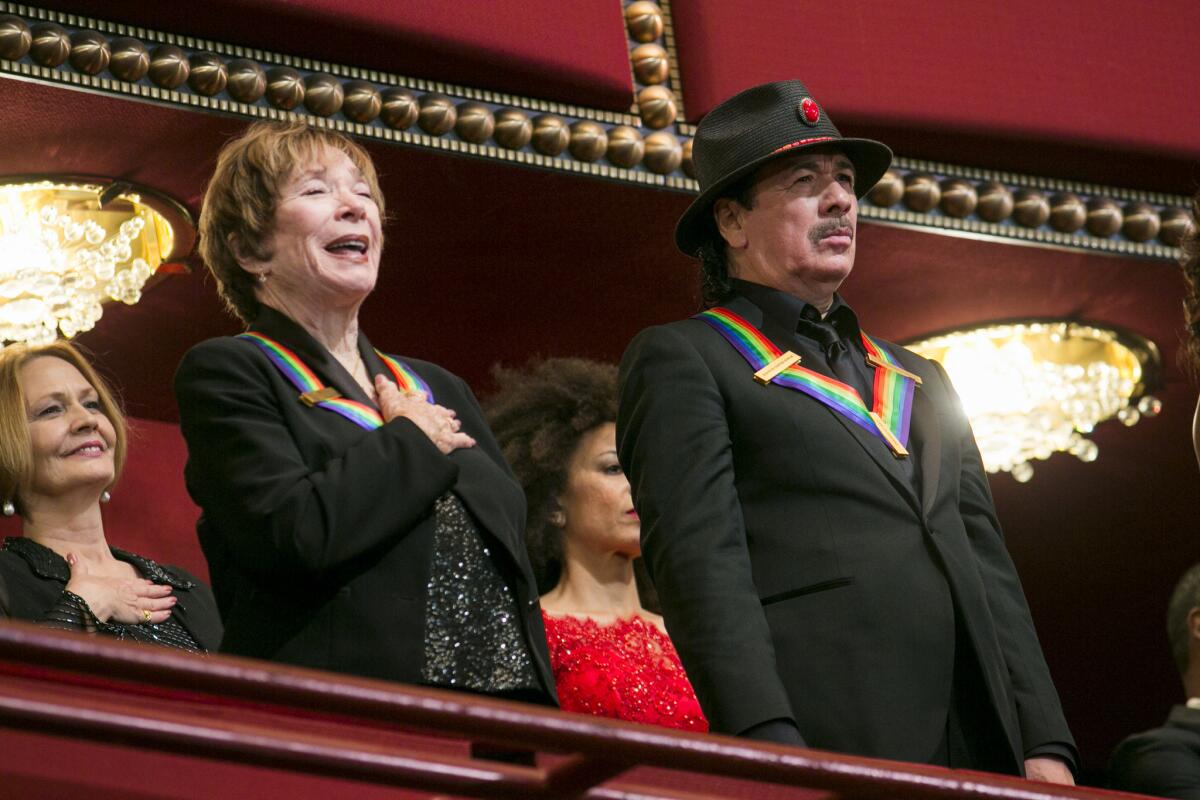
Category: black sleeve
[1156,765]
[203,619]
[775,731]
[71,613]
[278,514]
[674,444]
[474,424]
[1043,727]
[68,611]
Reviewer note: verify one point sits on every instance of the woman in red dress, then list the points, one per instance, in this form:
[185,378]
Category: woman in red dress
[611,657]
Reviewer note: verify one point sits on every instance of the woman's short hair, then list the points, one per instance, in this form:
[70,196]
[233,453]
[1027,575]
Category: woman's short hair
[539,415]
[238,213]
[1191,302]
[16,448]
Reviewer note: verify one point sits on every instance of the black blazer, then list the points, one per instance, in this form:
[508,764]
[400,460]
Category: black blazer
[1164,762]
[801,577]
[318,533]
[33,577]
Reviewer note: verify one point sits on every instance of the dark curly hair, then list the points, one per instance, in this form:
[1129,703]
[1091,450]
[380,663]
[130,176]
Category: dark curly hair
[1191,302]
[539,415]
[716,285]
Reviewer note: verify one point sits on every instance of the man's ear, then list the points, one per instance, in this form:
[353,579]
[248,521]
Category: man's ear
[1193,623]
[728,215]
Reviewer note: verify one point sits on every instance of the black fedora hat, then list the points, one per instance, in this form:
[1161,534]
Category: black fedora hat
[755,126]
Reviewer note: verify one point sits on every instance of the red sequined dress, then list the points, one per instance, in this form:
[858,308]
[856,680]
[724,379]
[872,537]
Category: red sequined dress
[627,669]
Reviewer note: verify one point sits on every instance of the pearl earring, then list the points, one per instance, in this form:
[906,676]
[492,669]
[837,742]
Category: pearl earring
[558,519]
[105,496]
[9,509]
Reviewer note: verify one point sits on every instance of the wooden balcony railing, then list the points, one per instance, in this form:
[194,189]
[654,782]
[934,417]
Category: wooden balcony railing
[84,717]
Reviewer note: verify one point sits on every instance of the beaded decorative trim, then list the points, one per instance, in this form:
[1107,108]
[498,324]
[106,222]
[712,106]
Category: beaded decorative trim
[649,146]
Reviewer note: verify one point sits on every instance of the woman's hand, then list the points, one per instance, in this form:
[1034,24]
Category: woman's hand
[439,423]
[131,601]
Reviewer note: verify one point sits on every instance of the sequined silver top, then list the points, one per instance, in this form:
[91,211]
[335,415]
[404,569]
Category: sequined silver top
[473,637]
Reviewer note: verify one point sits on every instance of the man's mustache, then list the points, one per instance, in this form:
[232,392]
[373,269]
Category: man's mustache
[829,227]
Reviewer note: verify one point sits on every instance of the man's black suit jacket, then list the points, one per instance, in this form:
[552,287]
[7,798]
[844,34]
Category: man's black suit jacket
[318,533]
[1165,761]
[800,575]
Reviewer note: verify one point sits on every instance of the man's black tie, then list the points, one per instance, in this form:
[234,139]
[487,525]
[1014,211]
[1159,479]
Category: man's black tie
[849,366]
[838,355]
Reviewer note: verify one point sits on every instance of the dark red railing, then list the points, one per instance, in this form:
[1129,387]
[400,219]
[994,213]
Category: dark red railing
[218,712]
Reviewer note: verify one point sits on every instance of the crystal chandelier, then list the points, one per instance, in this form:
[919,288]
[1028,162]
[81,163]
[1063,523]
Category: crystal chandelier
[68,245]
[1036,387]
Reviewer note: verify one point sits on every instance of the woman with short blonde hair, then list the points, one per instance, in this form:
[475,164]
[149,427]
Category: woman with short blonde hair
[358,515]
[238,212]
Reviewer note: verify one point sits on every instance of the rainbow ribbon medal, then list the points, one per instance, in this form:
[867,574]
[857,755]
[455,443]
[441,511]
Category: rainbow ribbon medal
[893,387]
[315,393]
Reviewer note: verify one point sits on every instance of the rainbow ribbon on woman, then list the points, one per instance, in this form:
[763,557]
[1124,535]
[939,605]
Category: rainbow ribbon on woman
[893,388]
[315,393]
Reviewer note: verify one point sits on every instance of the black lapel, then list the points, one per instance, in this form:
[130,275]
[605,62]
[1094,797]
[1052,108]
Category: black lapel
[925,436]
[371,359]
[786,340]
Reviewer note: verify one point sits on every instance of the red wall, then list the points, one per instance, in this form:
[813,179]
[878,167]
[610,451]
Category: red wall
[1097,91]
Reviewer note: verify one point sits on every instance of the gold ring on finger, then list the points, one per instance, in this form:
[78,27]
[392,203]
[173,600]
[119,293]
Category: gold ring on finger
[146,614]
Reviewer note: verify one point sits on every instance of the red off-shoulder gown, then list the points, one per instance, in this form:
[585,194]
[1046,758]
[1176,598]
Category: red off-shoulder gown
[627,669]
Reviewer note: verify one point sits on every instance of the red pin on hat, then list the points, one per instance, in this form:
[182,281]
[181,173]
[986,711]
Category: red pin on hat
[809,112]
[772,120]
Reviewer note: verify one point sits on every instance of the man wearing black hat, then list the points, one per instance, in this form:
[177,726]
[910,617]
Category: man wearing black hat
[814,510]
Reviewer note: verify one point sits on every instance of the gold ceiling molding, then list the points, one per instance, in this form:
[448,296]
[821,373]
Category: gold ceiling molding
[658,99]
[123,60]
[1028,210]
[651,149]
